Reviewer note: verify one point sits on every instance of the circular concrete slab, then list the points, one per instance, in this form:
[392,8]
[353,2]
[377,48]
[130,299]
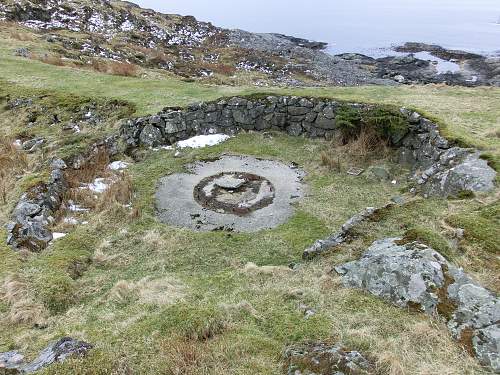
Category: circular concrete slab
[233,193]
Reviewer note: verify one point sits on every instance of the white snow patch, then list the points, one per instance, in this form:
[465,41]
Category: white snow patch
[98,186]
[76,207]
[127,26]
[56,236]
[70,221]
[118,165]
[201,141]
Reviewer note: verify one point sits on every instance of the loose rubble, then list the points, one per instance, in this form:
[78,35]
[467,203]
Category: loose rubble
[415,276]
[34,212]
[325,359]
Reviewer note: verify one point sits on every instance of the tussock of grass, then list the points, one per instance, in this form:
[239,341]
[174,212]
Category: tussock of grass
[481,226]
[430,238]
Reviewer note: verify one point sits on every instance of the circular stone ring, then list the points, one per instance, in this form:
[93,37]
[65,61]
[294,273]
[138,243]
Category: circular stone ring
[232,193]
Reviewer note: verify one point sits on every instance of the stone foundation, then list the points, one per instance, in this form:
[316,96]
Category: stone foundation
[439,168]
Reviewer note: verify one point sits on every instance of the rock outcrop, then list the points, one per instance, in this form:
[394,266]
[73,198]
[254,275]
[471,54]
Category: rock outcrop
[415,276]
[325,359]
[12,363]
[336,239]
[440,168]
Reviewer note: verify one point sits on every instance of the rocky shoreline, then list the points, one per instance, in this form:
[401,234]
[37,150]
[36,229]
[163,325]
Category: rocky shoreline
[199,50]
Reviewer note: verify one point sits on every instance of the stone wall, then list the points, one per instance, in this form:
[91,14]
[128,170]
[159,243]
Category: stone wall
[438,167]
[35,211]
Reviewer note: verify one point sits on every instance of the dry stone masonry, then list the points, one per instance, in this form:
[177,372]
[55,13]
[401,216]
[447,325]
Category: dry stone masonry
[34,213]
[416,276]
[438,167]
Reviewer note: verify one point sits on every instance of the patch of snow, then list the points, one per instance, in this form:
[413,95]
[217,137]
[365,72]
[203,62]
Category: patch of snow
[99,185]
[201,141]
[118,165]
[70,221]
[76,208]
[127,26]
[56,236]
[473,79]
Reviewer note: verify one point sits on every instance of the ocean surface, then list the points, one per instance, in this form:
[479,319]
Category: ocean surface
[365,26]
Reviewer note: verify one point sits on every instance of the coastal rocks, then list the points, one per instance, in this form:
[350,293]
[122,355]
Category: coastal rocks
[415,276]
[325,359]
[13,362]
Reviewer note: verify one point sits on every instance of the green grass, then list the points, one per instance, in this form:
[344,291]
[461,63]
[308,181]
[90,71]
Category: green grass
[94,284]
[481,226]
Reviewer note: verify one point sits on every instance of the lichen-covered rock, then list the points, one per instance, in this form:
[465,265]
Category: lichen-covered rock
[415,276]
[324,359]
[10,363]
[33,212]
[471,174]
[151,136]
[13,362]
[486,345]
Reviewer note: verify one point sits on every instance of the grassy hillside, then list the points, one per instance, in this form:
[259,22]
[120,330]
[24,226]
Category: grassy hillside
[157,299]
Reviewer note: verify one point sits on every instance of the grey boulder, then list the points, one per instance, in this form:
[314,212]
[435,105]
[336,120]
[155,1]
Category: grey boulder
[415,276]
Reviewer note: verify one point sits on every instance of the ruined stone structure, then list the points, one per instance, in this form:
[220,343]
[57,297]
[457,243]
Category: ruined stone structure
[439,168]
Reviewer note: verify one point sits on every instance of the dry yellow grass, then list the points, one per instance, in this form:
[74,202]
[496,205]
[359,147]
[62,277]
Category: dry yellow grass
[23,309]
[160,292]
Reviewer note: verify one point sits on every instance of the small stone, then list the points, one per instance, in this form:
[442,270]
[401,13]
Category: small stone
[380,173]
[353,171]
[229,182]
[398,200]
[58,164]
[399,78]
